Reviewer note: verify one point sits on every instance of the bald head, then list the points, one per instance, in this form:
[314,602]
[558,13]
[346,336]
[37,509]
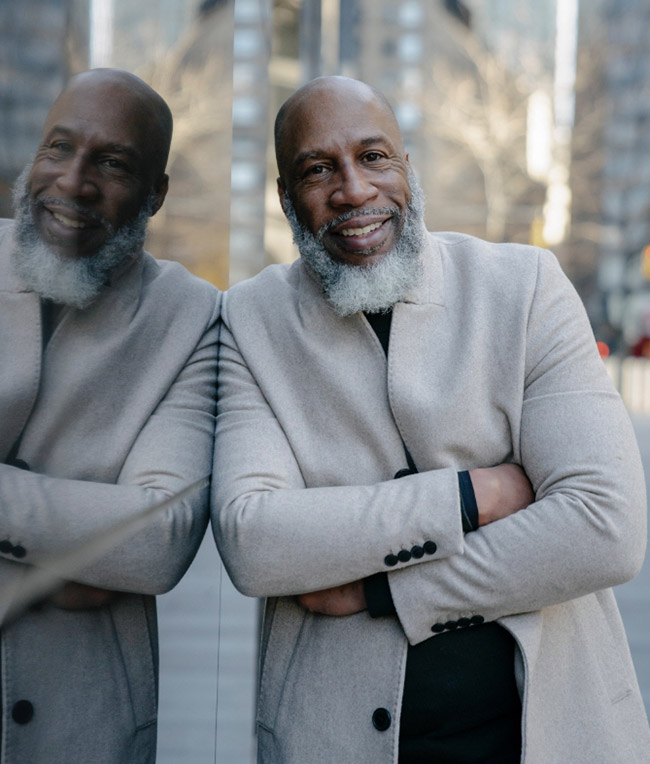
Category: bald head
[135,97]
[328,96]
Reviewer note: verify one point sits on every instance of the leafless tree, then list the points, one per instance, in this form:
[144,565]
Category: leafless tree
[478,112]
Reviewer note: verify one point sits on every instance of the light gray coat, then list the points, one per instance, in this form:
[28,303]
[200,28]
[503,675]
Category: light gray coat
[116,414]
[491,359]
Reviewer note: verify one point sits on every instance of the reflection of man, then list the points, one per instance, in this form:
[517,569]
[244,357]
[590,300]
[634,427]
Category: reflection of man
[106,404]
[355,384]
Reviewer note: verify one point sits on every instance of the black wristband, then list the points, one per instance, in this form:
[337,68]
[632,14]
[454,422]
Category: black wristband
[468,505]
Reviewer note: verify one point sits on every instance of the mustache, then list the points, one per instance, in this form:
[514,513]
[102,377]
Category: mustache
[395,212]
[69,204]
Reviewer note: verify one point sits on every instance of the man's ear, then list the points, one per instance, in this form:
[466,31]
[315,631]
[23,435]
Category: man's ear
[160,192]
[282,195]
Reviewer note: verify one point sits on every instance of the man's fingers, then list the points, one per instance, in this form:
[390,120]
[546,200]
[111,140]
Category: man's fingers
[337,601]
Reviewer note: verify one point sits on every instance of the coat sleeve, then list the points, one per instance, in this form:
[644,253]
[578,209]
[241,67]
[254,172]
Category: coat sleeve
[278,537]
[44,516]
[586,529]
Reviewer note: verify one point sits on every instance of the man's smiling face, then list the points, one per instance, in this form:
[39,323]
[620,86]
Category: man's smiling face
[93,170]
[343,166]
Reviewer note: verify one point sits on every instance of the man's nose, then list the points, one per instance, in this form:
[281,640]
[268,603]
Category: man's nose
[354,188]
[75,178]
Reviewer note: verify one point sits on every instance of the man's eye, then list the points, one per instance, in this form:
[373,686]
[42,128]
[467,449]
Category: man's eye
[372,156]
[317,169]
[61,147]
[113,164]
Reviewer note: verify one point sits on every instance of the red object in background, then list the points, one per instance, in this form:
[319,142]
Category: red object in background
[603,349]
[642,348]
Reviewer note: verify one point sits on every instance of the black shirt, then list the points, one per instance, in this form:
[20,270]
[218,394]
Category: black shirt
[460,704]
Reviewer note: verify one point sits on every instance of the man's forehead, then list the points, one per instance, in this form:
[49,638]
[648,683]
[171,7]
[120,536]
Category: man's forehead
[104,113]
[321,123]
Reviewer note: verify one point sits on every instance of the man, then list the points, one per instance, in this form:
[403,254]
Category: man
[375,398]
[106,403]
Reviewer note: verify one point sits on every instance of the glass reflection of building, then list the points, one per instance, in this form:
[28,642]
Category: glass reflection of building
[184,50]
[417,53]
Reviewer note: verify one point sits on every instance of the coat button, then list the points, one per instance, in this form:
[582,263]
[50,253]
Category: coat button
[22,712]
[391,560]
[404,555]
[476,620]
[403,473]
[381,719]
[417,551]
[438,628]
[451,625]
[19,551]
[463,622]
[429,547]
[6,547]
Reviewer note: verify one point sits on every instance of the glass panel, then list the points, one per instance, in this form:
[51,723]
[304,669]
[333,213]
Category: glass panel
[523,124]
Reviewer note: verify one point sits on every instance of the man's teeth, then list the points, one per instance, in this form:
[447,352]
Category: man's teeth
[68,221]
[360,231]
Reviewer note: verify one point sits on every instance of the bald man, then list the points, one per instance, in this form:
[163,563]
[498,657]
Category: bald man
[424,603]
[107,373]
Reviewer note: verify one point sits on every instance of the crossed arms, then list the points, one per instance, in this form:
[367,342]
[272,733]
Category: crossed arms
[280,537]
[500,491]
[50,515]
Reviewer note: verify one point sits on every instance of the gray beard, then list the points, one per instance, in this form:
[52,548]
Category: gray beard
[75,282]
[373,288]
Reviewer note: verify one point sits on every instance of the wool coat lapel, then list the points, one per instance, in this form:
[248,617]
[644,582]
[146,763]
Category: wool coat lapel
[20,343]
[418,331]
[85,385]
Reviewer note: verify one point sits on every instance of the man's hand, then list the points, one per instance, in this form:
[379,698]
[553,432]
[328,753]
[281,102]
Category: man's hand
[500,491]
[74,596]
[339,600]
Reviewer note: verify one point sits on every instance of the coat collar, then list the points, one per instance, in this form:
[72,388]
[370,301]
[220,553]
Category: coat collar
[20,347]
[431,289]
[9,279]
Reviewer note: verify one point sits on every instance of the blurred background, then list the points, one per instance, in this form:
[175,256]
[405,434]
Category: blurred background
[183,50]
[526,122]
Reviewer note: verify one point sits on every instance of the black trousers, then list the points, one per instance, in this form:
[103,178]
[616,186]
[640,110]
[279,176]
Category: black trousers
[461,704]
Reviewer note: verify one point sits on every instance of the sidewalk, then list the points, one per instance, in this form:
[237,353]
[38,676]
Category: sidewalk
[634,597]
[207,667]
[192,636]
